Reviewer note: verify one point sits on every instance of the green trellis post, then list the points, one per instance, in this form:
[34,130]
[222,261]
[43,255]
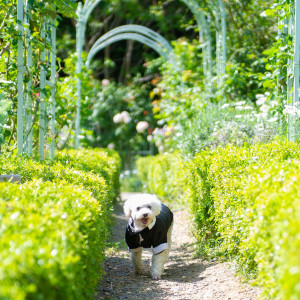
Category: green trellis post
[221,40]
[205,38]
[28,97]
[42,97]
[52,85]
[20,69]
[83,13]
[24,112]
[293,125]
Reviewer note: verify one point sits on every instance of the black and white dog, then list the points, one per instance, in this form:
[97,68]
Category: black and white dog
[150,226]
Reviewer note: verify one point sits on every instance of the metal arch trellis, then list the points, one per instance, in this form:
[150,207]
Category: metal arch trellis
[48,63]
[134,32]
[127,36]
[83,13]
[151,39]
[204,33]
[205,38]
[142,31]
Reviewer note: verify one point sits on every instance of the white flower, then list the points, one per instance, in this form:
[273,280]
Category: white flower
[149,138]
[142,126]
[224,105]
[264,108]
[274,119]
[105,82]
[240,103]
[291,110]
[118,118]
[122,117]
[111,146]
[238,116]
[261,99]
[125,116]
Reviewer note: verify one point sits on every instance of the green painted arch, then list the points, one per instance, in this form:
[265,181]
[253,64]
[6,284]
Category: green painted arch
[138,33]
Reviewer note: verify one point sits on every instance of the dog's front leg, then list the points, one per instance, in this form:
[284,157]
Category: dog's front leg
[158,262]
[136,258]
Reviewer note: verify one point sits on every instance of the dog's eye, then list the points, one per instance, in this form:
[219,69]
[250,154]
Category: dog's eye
[149,207]
[138,208]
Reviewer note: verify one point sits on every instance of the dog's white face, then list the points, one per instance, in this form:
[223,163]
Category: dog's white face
[142,208]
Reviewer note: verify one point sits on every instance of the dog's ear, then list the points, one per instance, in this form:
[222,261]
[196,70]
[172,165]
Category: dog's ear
[156,204]
[127,208]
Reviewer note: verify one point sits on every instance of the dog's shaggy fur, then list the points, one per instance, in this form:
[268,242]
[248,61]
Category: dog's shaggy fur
[143,210]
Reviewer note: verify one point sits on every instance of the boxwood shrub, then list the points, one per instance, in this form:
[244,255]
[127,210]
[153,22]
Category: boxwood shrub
[163,175]
[51,238]
[104,162]
[71,185]
[227,210]
[271,241]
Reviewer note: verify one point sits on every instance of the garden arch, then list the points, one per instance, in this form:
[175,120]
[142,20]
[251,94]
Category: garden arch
[83,13]
[138,33]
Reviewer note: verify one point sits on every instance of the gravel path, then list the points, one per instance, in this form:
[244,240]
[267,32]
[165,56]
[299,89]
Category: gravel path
[184,277]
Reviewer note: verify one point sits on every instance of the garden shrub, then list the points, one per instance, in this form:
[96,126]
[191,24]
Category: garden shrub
[80,190]
[102,162]
[234,220]
[163,175]
[272,239]
[52,241]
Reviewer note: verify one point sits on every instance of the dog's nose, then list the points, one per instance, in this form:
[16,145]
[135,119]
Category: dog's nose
[145,215]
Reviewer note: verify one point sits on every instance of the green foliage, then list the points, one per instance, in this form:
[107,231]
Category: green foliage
[178,94]
[4,107]
[62,210]
[234,220]
[102,162]
[273,240]
[163,175]
[245,206]
[113,99]
[130,182]
[66,99]
[8,54]
[51,244]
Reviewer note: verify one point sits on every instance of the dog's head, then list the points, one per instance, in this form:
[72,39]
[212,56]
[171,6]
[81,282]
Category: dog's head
[142,208]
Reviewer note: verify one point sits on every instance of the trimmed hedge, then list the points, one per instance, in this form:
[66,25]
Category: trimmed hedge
[106,163]
[55,225]
[245,206]
[164,176]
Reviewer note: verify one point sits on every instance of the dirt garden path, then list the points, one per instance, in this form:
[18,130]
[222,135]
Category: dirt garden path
[184,277]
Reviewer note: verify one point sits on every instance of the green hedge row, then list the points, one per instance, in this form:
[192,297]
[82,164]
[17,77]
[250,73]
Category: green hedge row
[163,175]
[54,226]
[245,206]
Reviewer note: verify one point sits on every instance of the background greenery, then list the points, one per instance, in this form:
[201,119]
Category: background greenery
[129,76]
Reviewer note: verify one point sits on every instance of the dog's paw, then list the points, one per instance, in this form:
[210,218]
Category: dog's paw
[155,276]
